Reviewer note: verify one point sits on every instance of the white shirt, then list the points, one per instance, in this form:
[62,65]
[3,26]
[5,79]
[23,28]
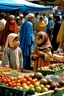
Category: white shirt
[46,20]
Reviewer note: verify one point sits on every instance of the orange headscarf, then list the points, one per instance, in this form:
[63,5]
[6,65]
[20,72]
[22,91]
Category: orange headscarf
[9,28]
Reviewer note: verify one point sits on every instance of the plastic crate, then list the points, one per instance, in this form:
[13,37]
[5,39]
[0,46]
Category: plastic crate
[58,93]
[49,93]
[50,72]
[8,91]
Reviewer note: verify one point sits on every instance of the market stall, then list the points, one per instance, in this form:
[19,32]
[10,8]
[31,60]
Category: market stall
[28,83]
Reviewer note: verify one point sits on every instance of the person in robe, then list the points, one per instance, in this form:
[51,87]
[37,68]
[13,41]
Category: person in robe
[10,27]
[57,24]
[27,40]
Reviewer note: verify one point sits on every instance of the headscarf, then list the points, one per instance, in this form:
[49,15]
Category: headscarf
[9,28]
[10,39]
[46,42]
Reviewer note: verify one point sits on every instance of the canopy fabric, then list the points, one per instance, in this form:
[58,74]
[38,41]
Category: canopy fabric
[22,5]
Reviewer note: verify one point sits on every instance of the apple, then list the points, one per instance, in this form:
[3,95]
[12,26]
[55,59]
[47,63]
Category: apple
[26,88]
[45,89]
[36,84]
[51,66]
[38,89]
[31,86]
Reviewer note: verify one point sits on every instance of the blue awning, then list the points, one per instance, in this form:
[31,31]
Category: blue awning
[22,5]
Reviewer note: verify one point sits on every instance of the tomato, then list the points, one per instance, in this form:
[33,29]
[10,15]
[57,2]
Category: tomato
[28,83]
[33,81]
[19,78]
[5,80]
[11,78]
[26,76]
[9,83]
[18,84]
[30,79]
[14,84]
[8,80]
[18,81]
[24,80]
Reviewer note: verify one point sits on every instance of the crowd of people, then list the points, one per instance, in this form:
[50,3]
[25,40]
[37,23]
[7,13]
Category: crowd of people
[30,38]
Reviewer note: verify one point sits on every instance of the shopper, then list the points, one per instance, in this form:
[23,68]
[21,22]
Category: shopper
[35,20]
[40,25]
[10,27]
[60,36]
[42,52]
[56,28]
[46,22]
[27,40]
[2,26]
[50,26]
[12,56]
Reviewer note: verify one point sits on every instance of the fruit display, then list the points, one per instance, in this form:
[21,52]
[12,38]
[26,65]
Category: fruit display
[5,69]
[31,85]
[55,69]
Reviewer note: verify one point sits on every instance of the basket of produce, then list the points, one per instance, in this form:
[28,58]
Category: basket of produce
[8,91]
[55,69]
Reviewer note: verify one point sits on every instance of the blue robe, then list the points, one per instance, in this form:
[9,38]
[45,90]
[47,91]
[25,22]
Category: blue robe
[26,42]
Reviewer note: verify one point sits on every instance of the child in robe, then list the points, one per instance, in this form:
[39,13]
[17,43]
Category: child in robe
[12,56]
[42,52]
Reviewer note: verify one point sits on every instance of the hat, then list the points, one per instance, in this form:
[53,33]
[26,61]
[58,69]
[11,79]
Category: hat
[21,15]
[29,15]
[11,17]
[17,17]
[51,16]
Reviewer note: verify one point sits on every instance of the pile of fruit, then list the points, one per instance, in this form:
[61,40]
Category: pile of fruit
[5,69]
[53,67]
[32,84]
